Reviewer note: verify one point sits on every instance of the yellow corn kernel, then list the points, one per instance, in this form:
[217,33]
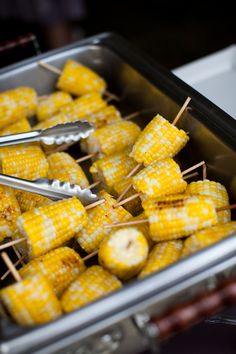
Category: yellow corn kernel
[207,237]
[78,79]
[133,206]
[91,285]
[28,201]
[16,104]
[64,168]
[112,138]
[215,191]
[20,126]
[159,140]
[76,110]
[124,252]
[162,255]
[178,216]
[111,169]
[159,179]
[24,161]
[51,104]
[9,212]
[92,234]
[50,226]
[31,301]
[107,115]
[60,266]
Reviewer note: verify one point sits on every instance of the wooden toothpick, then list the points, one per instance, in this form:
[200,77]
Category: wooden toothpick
[87,157]
[20,260]
[11,266]
[134,170]
[50,67]
[19,256]
[124,201]
[181,111]
[194,174]
[127,223]
[124,193]
[204,171]
[11,243]
[90,255]
[95,184]
[194,167]
[92,205]
[226,207]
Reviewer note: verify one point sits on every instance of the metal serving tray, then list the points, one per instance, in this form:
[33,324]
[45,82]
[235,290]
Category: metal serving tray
[107,323]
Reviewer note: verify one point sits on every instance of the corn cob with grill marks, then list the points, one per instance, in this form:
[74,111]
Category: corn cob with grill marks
[28,201]
[133,206]
[21,126]
[50,105]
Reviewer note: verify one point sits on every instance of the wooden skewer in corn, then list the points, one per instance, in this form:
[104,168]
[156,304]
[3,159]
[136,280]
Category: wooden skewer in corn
[11,266]
[15,265]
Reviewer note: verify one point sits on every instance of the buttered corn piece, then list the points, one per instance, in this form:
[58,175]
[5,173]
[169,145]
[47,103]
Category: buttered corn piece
[78,79]
[31,301]
[124,252]
[91,285]
[21,126]
[207,237]
[76,110]
[158,141]
[60,266]
[159,179]
[64,168]
[9,212]
[178,216]
[216,192]
[23,161]
[92,234]
[50,226]
[51,104]
[133,206]
[162,255]
[111,138]
[28,201]
[103,117]
[16,104]
[110,169]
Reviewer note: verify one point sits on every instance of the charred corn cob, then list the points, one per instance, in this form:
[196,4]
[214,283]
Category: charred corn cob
[107,115]
[124,252]
[31,301]
[24,161]
[158,141]
[179,215]
[78,79]
[21,126]
[216,192]
[133,206]
[16,104]
[91,285]
[207,237]
[51,104]
[92,234]
[9,212]
[60,266]
[50,226]
[159,179]
[162,255]
[111,138]
[64,168]
[28,201]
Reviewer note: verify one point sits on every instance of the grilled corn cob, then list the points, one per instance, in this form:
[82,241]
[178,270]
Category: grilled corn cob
[91,285]
[216,192]
[159,179]
[92,234]
[51,104]
[31,301]
[78,79]
[103,117]
[162,255]
[158,141]
[124,252]
[16,104]
[133,206]
[28,201]
[64,168]
[207,237]
[21,126]
[49,226]
[60,266]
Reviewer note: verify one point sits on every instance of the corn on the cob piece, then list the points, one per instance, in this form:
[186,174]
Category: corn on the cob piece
[110,169]
[76,110]
[159,179]
[78,79]
[159,140]
[51,104]
[28,201]
[50,226]
[207,237]
[60,266]
[111,138]
[24,161]
[179,215]
[106,116]
[162,255]
[91,285]
[144,228]
[64,168]
[16,104]
[133,206]
[214,190]
[20,126]
[31,301]
[92,234]
[9,212]
[124,252]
